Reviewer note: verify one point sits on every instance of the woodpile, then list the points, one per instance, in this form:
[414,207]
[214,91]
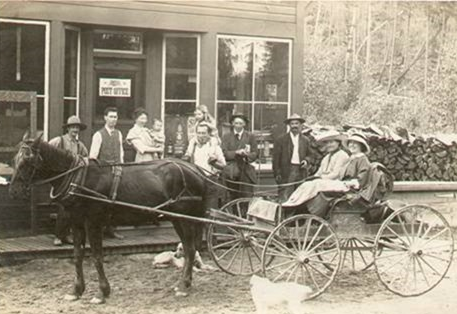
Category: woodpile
[407,158]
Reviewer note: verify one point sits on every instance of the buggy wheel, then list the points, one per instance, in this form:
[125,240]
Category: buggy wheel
[305,250]
[417,249]
[236,251]
[357,253]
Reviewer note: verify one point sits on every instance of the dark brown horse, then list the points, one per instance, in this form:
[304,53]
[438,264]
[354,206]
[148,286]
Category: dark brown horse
[148,184]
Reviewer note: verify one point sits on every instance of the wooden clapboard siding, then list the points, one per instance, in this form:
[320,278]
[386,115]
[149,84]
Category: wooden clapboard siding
[166,16]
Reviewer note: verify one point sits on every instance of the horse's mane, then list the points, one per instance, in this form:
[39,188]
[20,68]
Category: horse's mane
[53,155]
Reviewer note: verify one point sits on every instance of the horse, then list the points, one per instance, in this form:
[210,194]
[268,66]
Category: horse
[146,184]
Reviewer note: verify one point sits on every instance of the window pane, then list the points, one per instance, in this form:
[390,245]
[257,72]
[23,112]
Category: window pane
[271,71]
[122,41]
[234,69]
[71,62]
[226,110]
[269,119]
[176,127]
[22,56]
[181,68]
[14,122]
[69,108]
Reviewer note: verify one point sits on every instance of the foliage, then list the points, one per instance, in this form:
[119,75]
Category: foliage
[347,69]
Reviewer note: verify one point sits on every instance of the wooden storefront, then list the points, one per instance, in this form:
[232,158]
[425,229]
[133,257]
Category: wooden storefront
[168,57]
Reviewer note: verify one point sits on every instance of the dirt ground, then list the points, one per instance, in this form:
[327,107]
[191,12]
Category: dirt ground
[38,286]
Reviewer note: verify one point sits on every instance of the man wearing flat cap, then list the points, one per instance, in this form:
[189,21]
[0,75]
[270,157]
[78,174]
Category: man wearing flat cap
[240,150]
[70,142]
[290,157]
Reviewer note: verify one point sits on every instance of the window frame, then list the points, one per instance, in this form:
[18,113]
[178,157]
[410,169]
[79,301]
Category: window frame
[253,101]
[128,52]
[47,38]
[78,68]
[164,100]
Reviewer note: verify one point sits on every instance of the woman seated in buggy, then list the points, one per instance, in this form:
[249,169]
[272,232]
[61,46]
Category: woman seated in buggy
[335,179]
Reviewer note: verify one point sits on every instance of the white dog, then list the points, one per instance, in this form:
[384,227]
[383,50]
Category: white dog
[170,258]
[271,297]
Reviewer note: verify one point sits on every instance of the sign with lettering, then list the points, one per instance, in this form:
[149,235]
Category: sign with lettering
[113,87]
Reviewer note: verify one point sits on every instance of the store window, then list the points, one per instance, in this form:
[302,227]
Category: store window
[24,47]
[181,77]
[253,77]
[71,79]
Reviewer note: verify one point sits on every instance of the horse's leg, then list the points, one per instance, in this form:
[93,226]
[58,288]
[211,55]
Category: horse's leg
[79,236]
[188,241]
[95,231]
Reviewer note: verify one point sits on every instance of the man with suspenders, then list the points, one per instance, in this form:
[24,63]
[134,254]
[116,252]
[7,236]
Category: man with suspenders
[70,142]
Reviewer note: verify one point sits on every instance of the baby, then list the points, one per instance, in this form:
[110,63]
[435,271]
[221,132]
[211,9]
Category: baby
[158,138]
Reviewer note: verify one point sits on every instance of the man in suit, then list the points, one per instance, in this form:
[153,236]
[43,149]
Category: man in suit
[240,149]
[290,157]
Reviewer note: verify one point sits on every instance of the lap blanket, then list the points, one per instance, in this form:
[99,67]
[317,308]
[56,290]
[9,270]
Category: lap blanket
[309,189]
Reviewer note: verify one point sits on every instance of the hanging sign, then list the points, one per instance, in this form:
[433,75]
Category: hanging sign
[113,87]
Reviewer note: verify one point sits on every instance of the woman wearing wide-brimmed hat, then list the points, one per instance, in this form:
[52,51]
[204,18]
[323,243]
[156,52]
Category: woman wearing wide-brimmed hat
[359,166]
[311,194]
[334,163]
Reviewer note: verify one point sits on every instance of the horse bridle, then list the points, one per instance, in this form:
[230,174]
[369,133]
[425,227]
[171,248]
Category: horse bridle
[37,160]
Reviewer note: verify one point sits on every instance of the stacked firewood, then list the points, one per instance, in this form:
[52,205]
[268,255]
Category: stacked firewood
[408,159]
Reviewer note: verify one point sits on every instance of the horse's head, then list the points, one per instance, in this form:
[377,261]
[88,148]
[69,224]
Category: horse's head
[26,163]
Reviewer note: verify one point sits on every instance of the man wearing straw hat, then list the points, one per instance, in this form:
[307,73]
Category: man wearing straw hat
[290,155]
[70,142]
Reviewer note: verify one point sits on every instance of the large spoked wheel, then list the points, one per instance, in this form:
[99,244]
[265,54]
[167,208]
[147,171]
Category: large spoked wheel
[306,251]
[413,250]
[357,253]
[236,251]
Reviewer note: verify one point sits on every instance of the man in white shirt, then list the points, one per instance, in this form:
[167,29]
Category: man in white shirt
[290,157]
[107,146]
[208,156]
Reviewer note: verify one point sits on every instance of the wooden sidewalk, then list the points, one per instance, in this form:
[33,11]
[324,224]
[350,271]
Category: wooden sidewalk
[136,240]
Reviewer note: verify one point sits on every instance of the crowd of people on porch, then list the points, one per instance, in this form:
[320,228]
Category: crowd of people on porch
[227,160]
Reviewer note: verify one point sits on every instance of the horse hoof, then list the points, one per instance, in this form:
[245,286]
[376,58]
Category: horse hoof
[96,300]
[70,297]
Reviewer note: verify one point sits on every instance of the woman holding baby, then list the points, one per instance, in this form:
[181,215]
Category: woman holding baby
[148,143]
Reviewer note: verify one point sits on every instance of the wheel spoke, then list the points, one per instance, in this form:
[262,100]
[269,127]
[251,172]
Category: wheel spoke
[398,236]
[225,243]
[352,254]
[234,256]
[255,252]
[242,259]
[310,274]
[284,247]
[322,252]
[422,270]
[250,259]
[283,272]
[275,254]
[227,235]
[323,262]
[434,237]
[389,255]
[321,273]
[393,245]
[414,272]
[308,226]
[436,257]
[280,264]
[227,252]
[320,243]
[314,237]
[362,257]
[430,266]
[403,227]
[396,263]
[292,272]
